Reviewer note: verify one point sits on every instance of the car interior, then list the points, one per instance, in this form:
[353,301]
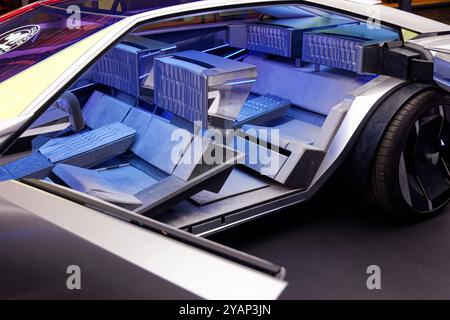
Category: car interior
[277,77]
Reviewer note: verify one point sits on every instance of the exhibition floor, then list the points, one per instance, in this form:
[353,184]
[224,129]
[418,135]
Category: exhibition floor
[326,250]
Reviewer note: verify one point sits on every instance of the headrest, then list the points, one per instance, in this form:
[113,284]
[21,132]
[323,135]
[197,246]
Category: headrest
[343,47]
[116,69]
[196,85]
[281,37]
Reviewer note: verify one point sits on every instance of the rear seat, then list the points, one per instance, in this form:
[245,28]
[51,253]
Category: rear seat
[153,144]
[293,162]
[343,47]
[301,145]
[302,86]
[281,37]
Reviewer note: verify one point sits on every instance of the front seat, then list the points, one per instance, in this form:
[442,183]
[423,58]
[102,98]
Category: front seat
[164,170]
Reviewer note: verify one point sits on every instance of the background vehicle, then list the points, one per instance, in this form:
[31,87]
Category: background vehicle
[301,86]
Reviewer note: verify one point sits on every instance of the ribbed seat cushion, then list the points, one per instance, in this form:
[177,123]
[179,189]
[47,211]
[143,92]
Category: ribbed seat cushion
[60,149]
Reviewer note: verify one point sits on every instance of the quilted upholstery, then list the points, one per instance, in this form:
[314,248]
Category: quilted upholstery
[117,69]
[60,149]
[332,51]
[180,88]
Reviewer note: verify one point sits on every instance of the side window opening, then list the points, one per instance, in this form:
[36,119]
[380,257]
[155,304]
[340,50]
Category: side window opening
[201,109]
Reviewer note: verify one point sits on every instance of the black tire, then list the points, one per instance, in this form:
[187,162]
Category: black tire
[409,155]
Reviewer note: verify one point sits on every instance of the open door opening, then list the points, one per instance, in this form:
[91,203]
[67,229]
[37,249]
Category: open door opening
[196,129]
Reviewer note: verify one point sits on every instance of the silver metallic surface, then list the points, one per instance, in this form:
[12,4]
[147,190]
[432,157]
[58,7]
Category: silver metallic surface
[362,102]
[201,273]
[436,43]
[441,72]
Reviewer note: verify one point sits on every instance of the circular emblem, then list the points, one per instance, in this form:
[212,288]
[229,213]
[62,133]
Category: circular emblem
[13,39]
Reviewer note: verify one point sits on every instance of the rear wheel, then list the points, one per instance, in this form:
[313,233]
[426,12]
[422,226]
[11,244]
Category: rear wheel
[410,174]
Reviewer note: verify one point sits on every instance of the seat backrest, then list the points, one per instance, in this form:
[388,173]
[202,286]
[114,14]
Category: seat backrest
[194,85]
[118,69]
[181,88]
[280,37]
[158,144]
[102,109]
[273,40]
[303,86]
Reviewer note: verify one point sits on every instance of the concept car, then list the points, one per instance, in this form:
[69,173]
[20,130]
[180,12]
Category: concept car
[138,126]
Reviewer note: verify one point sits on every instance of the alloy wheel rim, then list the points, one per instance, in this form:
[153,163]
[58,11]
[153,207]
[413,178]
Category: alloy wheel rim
[424,174]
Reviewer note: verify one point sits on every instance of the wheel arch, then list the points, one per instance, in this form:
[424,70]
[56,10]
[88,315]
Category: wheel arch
[366,146]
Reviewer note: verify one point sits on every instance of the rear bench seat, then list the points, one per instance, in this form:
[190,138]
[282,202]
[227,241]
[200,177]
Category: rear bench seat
[302,145]
[281,37]
[303,86]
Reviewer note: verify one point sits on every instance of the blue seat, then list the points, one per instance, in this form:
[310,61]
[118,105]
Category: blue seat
[103,116]
[342,47]
[272,39]
[196,86]
[61,149]
[128,64]
[153,145]
[95,184]
[282,37]
[102,109]
[164,168]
